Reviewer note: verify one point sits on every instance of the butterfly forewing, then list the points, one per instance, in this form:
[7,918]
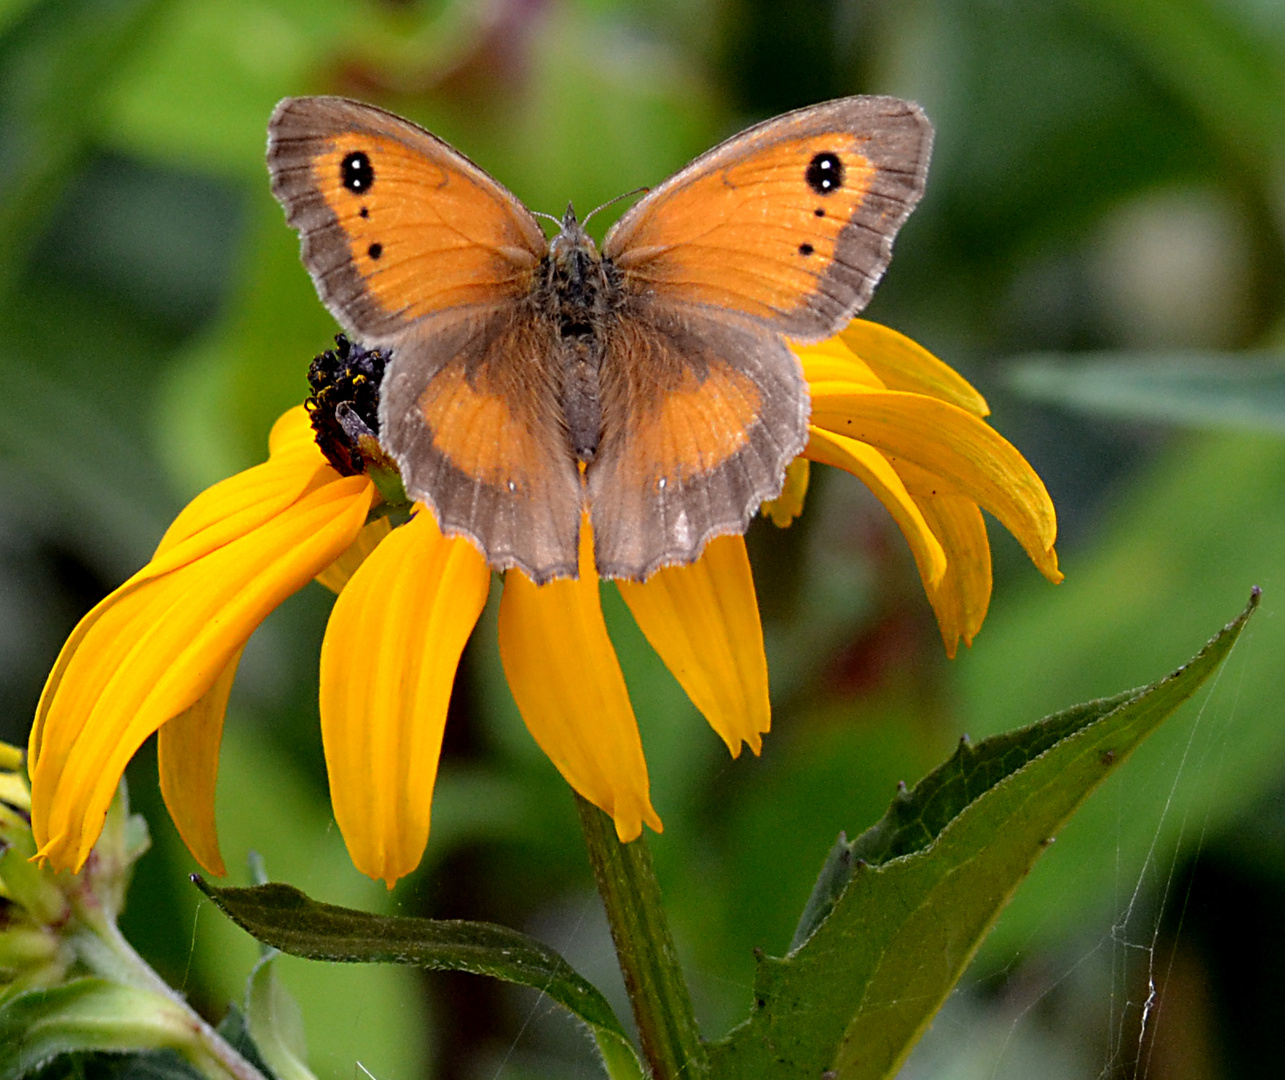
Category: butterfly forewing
[790,222]
[395,224]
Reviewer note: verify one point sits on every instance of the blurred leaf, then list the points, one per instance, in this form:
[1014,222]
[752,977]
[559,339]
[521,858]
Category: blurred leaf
[200,91]
[928,881]
[287,919]
[85,464]
[88,1014]
[1209,55]
[1197,389]
[55,59]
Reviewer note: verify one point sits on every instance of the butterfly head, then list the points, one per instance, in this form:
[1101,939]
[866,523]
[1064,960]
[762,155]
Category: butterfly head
[571,237]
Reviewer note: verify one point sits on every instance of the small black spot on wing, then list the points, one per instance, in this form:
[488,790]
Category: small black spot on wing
[806,249]
[365,211]
[375,250]
[825,173]
[819,211]
[356,172]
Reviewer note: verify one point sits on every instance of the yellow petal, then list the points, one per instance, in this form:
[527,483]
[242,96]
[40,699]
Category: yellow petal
[293,429]
[335,576]
[967,456]
[156,645]
[782,510]
[962,596]
[703,621]
[903,364]
[387,667]
[833,360]
[187,758]
[568,686]
[877,473]
[10,758]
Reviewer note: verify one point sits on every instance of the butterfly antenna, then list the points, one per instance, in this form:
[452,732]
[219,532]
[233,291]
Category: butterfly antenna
[556,220]
[626,195]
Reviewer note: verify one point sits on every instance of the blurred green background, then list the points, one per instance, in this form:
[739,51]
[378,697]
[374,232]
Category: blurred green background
[1108,192]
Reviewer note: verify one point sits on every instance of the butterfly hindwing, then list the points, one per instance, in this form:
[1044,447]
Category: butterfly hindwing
[474,425]
[701,416]
[790,222]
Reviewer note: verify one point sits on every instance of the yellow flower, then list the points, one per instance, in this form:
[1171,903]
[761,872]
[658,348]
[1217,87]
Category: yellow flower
[160,653]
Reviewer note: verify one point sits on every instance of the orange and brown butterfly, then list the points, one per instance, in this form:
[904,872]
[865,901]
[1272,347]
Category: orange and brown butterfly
[532,381]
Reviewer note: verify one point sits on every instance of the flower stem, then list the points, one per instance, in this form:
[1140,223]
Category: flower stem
[103,948]
[662,1005]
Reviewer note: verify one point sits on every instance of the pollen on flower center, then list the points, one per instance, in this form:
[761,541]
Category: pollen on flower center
[344,406]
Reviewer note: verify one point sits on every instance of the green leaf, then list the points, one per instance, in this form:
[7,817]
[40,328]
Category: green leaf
[55,59]
[287,919]
[85,1015]
[925,884]
[1210,390]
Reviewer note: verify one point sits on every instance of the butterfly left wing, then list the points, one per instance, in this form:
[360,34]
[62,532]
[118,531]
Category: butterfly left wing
[789,223]
[416,250]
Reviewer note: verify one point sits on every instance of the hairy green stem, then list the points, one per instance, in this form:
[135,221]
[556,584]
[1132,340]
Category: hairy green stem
[104,949]
[662,1005]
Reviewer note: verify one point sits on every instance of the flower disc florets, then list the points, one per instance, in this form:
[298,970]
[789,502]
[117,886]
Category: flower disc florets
[344,406]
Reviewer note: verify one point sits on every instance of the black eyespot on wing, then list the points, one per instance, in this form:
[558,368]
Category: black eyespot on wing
[375,250]
[356,172]
[825,173]
[806,249]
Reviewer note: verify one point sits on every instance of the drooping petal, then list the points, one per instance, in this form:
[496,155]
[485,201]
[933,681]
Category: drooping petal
[877,473]
[703,621]
[187,758]
[335,576]
[157,644]
[245,500]
[387,667]
[903,364]
[962,596]
[968,456]
[568,686]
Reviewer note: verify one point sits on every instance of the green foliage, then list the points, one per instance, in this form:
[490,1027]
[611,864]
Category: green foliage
[87,1014]
[285,918]
[895,917]
[927,882]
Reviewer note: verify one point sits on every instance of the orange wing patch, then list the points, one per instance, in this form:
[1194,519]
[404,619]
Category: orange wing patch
[757,235]
[479,434]
[697,425]
[422,236]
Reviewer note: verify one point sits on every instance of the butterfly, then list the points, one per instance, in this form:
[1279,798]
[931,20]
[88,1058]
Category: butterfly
[532,381]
